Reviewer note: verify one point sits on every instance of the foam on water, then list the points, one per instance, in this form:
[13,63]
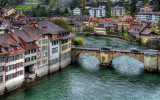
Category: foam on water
[88,62]
[127,65]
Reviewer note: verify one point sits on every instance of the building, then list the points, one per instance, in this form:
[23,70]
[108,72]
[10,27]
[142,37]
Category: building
[88,5]
[146,8]
[100,28]
[153,2]
[78,21]
[139,31]
[118,11]
[125,22]
[148,16]
[138,5]
[12,61]
[77,11]
[102,5]
[97,12]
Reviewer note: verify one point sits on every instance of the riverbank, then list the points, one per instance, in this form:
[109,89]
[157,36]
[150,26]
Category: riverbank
[150,44]
[114,37]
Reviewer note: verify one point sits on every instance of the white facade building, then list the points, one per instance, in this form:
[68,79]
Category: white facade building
[97,12]
[77,11]
[151,16]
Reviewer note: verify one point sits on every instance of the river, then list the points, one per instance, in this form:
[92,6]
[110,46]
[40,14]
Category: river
[85,80]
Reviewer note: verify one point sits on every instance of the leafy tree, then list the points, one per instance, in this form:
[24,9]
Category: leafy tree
[127,36]
[122,29]
[88,29]
[133,6]
[77,41]
[128,12]
[75,3]
[158,25]
[62,23]
[6,6]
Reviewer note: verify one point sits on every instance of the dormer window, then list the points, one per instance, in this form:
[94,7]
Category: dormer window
[10,49]
[18,47]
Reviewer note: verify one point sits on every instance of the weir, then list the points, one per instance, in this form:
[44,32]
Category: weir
[150,58]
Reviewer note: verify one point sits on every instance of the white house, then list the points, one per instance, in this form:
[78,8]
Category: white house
[77,11]
[151,16]
[97,12]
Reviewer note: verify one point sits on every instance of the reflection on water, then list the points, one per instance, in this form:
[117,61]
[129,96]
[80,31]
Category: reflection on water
[88,62]
[127,65]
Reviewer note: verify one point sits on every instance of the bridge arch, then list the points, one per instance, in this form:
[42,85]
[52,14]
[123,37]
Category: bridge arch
[136,55]
[75,54]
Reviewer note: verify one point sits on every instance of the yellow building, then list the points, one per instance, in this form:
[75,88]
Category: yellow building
[100,30]
[125,21]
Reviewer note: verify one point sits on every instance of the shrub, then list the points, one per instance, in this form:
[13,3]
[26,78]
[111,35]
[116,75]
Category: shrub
[77,41]
[86,34]
[127,36]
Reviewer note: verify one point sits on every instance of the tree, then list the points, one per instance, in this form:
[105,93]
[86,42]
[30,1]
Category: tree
[75,3]
[122,29]
[62,23]
[133,6]
[77,41]
[158,25]
[127,36]
[128,12]
[6,6]
[88,29]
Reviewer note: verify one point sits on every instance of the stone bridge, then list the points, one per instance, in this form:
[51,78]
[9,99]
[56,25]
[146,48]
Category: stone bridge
[150,59]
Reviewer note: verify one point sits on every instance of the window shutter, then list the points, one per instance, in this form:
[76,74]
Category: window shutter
[6,69]
[7,59]
[6,78]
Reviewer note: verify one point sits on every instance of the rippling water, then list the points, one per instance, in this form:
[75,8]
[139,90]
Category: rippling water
[85,80]
[98,42]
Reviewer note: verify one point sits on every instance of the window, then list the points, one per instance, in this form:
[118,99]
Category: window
[69,45]
[33,51]
[64,41]
[54,50]
[44,54]
[44,41]
[38,56]
[18,47]
[39,42]
[39,49]
[44,61]
[1,68]
[64,47]
[38,63]
[1,59]
[1,79]
[27,59]
[33,58]
[27,52]
[10,49]
[44,48]
[43,36]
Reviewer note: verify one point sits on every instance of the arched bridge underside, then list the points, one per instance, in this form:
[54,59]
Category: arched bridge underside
[150,59]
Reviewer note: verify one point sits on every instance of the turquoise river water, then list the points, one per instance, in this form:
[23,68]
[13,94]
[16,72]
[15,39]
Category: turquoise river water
[85,80]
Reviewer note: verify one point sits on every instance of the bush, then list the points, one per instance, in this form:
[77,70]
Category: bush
[77,41]
[127,36]
[86,34]
[139,39]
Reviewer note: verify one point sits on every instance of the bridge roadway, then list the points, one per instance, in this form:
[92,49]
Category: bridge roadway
[150,58]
